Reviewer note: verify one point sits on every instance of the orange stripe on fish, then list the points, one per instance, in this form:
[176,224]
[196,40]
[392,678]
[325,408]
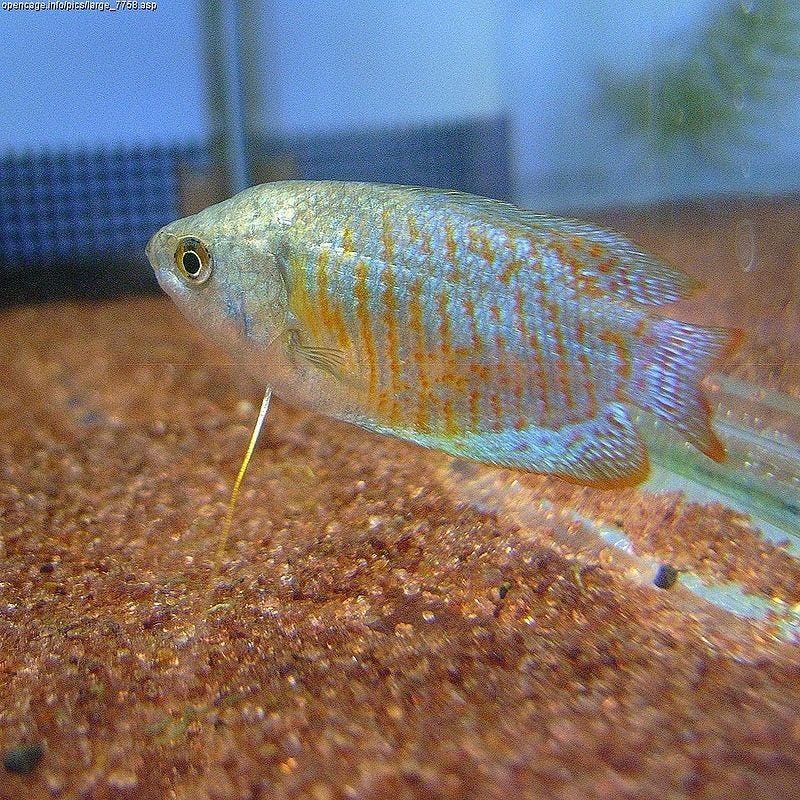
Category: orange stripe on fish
[473,240]
[322,288]
[541,375]
[339,326]
[562,361]
[501,369]
[300,301]
[392,339]
[520,301]
[474,410]
[413,228]
[362,310]
[588,385]
[469,308]
[608,266]
[450,245]
[481,370]
[386,237]
[486,250]
[623,352]
[541,355]
[451,252]
[450,426]
[444,323]
[347,240]
[499,345]
[420,355]
[520,423]
[497,410]
[330,315]
[559,249]
[448,376]
[512,268]
[522,327]
[587,284]
[426,245]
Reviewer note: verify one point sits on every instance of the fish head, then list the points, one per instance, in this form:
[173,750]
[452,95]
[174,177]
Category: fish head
[221,268]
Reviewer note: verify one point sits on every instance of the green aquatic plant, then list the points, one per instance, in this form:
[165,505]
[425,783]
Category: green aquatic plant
[744,62]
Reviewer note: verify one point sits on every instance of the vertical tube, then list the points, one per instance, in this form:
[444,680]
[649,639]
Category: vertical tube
[222,21]
[253,73]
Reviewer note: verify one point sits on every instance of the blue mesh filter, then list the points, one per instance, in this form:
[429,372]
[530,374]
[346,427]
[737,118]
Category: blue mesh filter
[472,156]
[64,206]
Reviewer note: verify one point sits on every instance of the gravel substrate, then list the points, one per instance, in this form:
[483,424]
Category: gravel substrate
[373,633]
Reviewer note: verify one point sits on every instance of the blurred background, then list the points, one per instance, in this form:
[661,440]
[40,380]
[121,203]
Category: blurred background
[115,123]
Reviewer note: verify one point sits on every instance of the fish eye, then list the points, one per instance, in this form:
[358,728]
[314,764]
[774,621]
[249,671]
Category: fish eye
[193,260]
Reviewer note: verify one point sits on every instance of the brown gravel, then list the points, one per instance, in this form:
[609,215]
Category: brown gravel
[374,634]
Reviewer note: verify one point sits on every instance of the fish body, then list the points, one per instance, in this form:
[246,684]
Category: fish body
[453,321]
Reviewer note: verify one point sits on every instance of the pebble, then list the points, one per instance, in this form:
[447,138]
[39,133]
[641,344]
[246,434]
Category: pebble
[23,759]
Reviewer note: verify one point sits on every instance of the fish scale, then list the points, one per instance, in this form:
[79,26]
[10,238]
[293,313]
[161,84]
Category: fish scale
[483,298]
[452,321]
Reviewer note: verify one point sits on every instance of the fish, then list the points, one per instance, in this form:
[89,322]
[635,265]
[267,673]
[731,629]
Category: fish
[457,322]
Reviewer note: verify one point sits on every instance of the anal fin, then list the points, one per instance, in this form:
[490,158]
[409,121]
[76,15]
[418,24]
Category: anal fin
[605,451]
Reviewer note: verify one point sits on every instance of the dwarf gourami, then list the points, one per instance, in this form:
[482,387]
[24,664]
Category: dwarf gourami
[457,322]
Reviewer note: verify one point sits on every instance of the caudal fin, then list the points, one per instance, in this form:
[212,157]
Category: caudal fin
[667,378]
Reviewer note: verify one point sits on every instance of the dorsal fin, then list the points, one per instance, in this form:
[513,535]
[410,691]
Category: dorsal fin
[611,264]
[604,261]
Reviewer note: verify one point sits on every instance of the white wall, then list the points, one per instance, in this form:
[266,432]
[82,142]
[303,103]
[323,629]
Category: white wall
[76,78]
[370,64]
[569,150]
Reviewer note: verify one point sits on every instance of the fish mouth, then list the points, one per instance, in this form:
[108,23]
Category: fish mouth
[158,241]
[148,250]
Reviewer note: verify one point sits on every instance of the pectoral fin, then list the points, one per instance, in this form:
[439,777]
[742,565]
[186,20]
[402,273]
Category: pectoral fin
[328,359]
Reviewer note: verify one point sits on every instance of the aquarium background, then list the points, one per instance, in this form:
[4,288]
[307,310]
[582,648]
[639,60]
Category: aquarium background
[117,122]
